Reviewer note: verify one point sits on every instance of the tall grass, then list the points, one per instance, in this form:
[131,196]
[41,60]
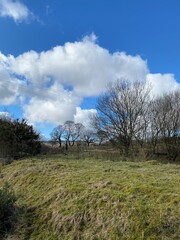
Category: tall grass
[75,198]
[7,209]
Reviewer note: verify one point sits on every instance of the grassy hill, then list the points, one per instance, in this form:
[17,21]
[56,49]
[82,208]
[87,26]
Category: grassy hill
[94,199]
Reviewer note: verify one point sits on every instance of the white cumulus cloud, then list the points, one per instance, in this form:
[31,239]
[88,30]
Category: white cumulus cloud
[14,9]
[83,116]
[162,83]
[51,85]
[54,105]
[9,84]
[83,65]
[5,115]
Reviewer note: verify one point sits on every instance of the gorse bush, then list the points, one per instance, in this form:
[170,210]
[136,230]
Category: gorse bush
[18,139]
[7,209]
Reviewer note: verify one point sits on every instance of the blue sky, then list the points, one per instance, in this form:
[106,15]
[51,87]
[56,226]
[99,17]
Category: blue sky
[57,56]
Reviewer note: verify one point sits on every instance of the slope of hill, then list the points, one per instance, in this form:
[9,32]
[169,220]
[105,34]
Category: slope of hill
[94,199]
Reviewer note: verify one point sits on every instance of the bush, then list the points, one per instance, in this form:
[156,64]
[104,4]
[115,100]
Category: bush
[18,139]
[7,209]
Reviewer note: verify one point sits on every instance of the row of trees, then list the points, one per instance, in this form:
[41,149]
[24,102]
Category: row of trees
[70,132]
[129,117]
[17,138]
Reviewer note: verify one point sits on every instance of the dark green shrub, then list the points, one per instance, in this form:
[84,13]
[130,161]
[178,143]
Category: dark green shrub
[18,139]
[7,209]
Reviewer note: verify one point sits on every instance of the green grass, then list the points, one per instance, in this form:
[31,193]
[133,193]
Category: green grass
[94,199]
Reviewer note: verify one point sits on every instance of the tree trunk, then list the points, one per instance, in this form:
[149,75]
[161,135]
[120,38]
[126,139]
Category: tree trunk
[66,146]
[60,142]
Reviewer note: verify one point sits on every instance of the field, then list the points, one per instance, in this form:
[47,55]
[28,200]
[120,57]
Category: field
[62,197]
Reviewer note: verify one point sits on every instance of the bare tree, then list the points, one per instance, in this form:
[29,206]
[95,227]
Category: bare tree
[89,136]
[165,123]
[157,112]
[101,136]
[120,113]
[72,132]
[57,133]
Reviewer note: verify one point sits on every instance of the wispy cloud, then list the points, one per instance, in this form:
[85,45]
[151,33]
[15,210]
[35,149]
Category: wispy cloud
[16,10]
